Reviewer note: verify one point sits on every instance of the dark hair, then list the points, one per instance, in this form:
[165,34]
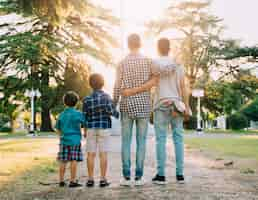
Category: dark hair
[70,98]
[96,81]
[134,41]
[163,46]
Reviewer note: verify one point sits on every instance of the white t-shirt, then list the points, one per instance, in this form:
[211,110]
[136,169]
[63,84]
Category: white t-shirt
[169,83]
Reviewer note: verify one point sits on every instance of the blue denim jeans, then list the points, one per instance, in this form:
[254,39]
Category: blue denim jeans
[141,133]
[162,120]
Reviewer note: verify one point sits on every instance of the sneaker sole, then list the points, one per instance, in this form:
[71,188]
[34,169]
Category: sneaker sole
[181,182]
[159,183]
[139,184]
[125,185]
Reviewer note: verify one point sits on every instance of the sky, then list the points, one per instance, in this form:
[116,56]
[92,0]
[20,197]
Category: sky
[240,18]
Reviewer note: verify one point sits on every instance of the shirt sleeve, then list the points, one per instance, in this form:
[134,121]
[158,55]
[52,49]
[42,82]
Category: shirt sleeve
[155,69]
[118,84]
[111,108]
[83,120]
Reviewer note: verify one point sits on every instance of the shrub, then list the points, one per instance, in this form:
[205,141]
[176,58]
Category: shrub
[237,121]
[192,123]
[251,110]
[5,129]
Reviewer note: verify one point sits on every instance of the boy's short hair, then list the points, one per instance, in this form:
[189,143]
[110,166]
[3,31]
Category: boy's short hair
[134,41]
[164,46]
[96,81]
[70,98]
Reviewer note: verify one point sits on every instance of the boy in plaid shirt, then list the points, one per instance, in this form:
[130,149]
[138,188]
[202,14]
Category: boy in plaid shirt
[98,108]
[68,126]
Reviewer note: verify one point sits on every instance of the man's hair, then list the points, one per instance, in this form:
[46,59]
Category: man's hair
[70,98]
[134,41]
[163,46]
[96,81]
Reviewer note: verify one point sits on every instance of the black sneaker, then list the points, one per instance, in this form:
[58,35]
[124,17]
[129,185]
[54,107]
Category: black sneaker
[180,179]
[90,183]
[104,183]
[160,180]
[74,185]
[62,184]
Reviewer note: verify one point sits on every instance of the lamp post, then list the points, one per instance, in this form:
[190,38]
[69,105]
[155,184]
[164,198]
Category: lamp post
[1,95]
[198,93]
[32,94]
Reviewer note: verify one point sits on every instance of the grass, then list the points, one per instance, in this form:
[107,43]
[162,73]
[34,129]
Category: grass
[28,182]
[228,131]
[25,162]
[20,145]
[243,147]
[22,134]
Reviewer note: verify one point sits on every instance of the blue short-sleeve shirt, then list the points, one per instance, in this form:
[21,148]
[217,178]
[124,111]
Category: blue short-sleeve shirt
[70,122]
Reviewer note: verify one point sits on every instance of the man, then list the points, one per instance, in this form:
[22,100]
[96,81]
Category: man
[171,105]
[133,71]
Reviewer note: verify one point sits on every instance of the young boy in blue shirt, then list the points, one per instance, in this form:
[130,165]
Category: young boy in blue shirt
[68,126]
[98,108]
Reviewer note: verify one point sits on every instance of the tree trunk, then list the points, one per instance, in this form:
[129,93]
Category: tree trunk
[11,124]
[46,125]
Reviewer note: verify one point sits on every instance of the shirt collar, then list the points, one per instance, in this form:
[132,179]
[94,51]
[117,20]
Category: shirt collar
[69,108]
[97,91]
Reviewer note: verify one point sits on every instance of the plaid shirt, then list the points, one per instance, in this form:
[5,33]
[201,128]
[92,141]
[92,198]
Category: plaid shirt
[133,72]
[98,109]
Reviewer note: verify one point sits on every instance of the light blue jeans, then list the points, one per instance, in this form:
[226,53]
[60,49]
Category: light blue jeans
[162,120]
[141,133]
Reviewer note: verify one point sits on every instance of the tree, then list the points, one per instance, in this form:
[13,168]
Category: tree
[226,97]
[12,90]
[250,110]
[53,29]
[200,30]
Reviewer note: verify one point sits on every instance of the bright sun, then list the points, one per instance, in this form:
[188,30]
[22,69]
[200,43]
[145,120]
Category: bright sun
[134,14]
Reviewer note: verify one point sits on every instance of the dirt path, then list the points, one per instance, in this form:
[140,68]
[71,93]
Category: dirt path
[205,179]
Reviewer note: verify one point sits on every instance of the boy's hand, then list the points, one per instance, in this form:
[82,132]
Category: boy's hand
[85,134]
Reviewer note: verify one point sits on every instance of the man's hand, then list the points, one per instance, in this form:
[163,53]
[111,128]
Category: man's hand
[129,92]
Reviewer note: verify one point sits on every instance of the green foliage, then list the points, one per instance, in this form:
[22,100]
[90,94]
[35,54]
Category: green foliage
[5,129]
[237,121]
[223,97]
[4,119]
[251,110]
[12,90]
[192,123]
[36,47]
[196,50]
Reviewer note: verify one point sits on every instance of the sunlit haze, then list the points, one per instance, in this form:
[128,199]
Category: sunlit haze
[239,18]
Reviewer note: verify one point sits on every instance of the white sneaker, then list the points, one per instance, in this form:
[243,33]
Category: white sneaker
[125,182]
[139,182]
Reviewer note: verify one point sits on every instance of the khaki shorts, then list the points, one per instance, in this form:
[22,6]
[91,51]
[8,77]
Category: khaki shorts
[97,140]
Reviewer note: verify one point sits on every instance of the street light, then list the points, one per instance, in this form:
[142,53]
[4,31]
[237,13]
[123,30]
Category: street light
[198,93]
[1,95]
[32,94]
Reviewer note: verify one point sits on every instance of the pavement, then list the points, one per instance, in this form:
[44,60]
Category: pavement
[204,180]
